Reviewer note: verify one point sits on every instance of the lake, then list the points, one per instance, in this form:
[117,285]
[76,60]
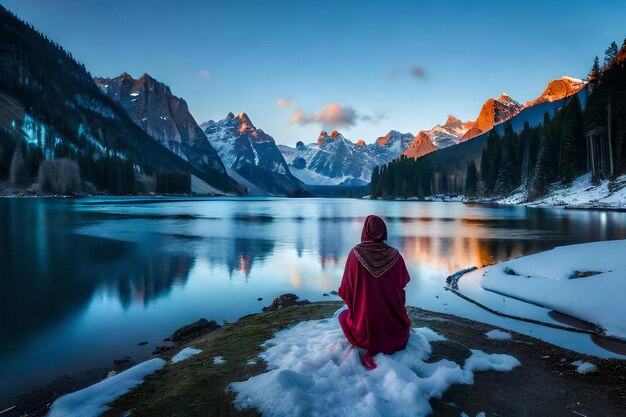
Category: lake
[83,281]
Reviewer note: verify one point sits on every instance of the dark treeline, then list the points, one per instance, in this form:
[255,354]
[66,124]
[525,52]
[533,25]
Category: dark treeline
[574,141]
[50,108]
[173,182]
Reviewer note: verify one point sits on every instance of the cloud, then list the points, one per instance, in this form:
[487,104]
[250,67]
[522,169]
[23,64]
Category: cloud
[414,72]
[333,116]
[286,102]
[204,74]
[373,118]
[417,72]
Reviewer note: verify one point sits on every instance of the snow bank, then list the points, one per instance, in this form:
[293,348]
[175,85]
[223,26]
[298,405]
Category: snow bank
[314,371]
[92,401]
[496,334]
[481,361]
[219,360]
[184,354]
[582,193]
[548,279]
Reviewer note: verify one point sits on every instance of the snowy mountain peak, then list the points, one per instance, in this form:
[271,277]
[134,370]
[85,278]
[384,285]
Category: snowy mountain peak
[421,145]
[126,76]
[321,136]
[452,120]
[252,155]
[360,143]
[334,134]
[558,89]
[393,137]
[244,123]
[493,112]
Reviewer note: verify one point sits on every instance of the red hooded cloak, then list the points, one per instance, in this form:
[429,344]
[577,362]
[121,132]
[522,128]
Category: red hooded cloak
[373,289]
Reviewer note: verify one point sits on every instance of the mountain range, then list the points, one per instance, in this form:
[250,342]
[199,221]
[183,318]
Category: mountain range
[335,160]
[51,107]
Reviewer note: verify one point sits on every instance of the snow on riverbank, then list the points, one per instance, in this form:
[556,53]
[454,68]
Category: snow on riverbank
[185,353]
[581,194]
[314,371]
[92,401]
[587,281]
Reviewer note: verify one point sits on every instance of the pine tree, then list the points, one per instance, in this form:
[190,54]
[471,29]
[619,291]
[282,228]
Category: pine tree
[471,179]
[610,53]
[594,74]
[541,177]
[18,172]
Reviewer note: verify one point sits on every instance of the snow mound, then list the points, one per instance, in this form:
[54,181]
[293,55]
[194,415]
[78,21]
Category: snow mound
[314,371]
[184,354]
[219,360]
[481,361]
[585,281]
[584,367]
[496,334]
[92,401]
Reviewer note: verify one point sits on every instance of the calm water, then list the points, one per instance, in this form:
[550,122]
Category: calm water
[83,281]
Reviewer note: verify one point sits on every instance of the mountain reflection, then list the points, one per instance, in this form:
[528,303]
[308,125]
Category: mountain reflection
[331,241]
[237,254]
[49,273]
[157,278]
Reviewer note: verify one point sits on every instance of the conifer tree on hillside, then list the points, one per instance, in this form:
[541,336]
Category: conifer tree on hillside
[610,53]
[594,74]
[541,177]
[18,173]
[471,179]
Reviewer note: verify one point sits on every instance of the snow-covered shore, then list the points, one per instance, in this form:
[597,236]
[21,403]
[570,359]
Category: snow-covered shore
[586,281]
[581,194]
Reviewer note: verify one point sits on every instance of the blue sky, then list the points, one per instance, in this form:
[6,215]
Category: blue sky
[360,55]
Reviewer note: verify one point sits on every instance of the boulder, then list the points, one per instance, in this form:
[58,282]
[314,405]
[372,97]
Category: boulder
[193,330]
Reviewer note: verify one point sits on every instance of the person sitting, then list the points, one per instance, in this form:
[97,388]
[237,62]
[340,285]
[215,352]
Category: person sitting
[372,287]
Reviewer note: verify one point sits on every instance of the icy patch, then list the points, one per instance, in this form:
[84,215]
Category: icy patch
[219,360]
[481,361]
[584,367]
[184,354]
[314,371]
[92,401]
[496,334]
[251,362]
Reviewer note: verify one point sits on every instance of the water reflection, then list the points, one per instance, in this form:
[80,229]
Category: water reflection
[237,254]
[71,271]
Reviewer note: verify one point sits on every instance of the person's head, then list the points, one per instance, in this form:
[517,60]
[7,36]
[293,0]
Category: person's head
[374,229]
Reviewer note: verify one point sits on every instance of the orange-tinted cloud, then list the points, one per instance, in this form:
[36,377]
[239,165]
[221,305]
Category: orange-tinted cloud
[286,102]
[204,74]
[333,115]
